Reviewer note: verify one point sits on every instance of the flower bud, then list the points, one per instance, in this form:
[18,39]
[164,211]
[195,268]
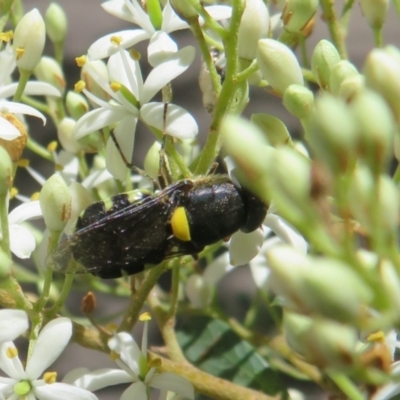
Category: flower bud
[76,104]
[333,133]
[197,291]
[184,9]
[254,25]
[340,71]
[65,136]
[29,39]
[278,65]
[324,58]
[273,128]
[391,286]
[56,23]
[100,69]
[6,172]
[351,86]
[322,342]
[298,13]
[55,202]
[299,101]
[249,149]
[381,72]
[375,12]
[152,160]
[49,70]
[376,128]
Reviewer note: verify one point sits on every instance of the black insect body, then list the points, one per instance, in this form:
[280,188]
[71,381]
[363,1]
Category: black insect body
[122,235]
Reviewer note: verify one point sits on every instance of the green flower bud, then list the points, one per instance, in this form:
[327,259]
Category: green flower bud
[6,172]
[254,25]
[48,70]
[333,133]
[56,23]
[322,342]
[184,9]
[65,136]
[340,71]
[55,202]
[249,149]
[152,160]
[375,12]
[278,65]
[391,286]
[77,105]
[29,39]
[323,59]
[350,87]
[273,128]
[298,13]
[381,71]
[376,126]
[5,264]
[299,101]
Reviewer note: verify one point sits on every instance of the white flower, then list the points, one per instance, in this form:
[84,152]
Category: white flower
[132,102]
[7,62]
[12,324]
[135,369]
[23,382]
[161,45]
[22,241]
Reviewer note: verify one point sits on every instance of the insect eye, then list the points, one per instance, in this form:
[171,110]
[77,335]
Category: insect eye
[180,224]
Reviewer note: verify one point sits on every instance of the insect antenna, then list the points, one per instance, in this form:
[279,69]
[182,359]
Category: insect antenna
[129,164]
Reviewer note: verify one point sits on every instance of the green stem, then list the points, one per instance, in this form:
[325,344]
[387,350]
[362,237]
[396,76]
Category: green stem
[397,6]
[396,176]
[39,150]
[251,69]
[23,80]
[58,52]
[5,233]
[346,386]
[378,37]
[69,278]
[345,17]
[174,289]
[335,28]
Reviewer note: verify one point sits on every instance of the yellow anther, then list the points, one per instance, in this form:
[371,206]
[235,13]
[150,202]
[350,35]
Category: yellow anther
[52,146]
[35,196]
[13,192]
[23,163]
[180,224]
[50,377]
[19,52]
[156,363]
[58,167]
[116,40]
[135,55]
[111,327]
[378,336]
[145,317]
[81,61]
[114,355]
[6,36]
[79,86]
[11,352]
[115,86]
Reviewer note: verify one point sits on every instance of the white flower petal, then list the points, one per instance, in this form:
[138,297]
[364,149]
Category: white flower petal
[61,391]
[161,47]
[179,123]
[18,108]
[174,383]
[103,47]
[25,211]
[167,71]
[125,137]
[389,390]
[218,12]
[217,269]
[51,342]
[171,22]
[96,178]
[32,88]
[97,119]
[12,324]
[7,130]
[137,391]
[7,63]
[286,232]
[70,165]
[22,241]
[245,246]
[98,379]
[11,366]
[125,345]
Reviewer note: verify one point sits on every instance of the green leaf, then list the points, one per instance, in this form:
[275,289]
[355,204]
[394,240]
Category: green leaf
[212,346]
